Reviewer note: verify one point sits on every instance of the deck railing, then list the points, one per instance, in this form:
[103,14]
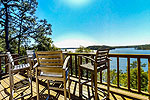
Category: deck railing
[74,69]
[3,62]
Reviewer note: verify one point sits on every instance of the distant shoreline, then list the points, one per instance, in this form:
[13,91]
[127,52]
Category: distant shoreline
[137,47]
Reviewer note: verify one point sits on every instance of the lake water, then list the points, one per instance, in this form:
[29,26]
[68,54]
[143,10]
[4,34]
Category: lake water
[123,61]
[129,51]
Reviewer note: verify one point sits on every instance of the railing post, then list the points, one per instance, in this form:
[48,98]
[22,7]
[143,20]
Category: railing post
[149,77]
[16,62]
[138,75]
[117,71]
[128,72]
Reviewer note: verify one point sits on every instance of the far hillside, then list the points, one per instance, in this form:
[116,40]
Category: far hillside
[137,47]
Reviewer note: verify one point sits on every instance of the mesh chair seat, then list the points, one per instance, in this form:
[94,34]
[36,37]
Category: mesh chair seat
[51,74]
[21,66]
[88,66]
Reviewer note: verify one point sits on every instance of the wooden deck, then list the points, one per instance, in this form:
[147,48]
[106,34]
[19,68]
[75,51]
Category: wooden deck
[58,95]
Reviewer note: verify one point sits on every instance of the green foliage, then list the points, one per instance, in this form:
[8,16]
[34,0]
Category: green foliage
[96,47]
[134,65]
[2,45]
[20,26]
[82,49]
[138,47]
[143,47]
[144,79]
[133,77]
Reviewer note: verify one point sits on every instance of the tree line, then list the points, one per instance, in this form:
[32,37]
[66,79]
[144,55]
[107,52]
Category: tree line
[137,47]
[19,27]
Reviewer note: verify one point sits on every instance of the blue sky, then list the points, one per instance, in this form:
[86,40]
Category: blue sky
[97,22]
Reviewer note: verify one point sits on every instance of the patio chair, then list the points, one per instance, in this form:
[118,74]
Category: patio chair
[100,63]
[32,56]
[21,86]
[52,68]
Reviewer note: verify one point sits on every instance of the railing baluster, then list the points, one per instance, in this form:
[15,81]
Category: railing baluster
[0,64]
[101,77]
[128,72]
[76,68]
[149,77]
[6,67]
[86,70]
[117,71]
[81,69]
[0,67]
[71,65]
[80,86]
[138,75]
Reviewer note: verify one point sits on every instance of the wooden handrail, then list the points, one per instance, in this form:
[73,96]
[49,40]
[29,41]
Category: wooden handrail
[118,56]
[74,62]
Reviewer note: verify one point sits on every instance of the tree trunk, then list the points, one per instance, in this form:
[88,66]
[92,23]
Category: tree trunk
[19,45]
[19,41]
[6,29]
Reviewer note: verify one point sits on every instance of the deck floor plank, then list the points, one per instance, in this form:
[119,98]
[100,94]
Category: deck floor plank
[74,89]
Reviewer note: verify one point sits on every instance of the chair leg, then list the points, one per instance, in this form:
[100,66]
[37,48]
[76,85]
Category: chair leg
[11,83]
[95,85]
[92,79]
[65,95]
[37,85]
[48,87]
[11,87]
[80,86]
[108,79]
[69,86]
[31,82]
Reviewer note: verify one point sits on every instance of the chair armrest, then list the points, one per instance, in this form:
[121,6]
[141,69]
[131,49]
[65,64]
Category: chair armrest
[35,65]
[87,57]
[35,59]
[7,64]
[16,60]
[22,58]
[66,62]
[109,59]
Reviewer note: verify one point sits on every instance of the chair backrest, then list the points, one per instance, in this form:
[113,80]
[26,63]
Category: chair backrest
[10,58]
[51,60]
[31,53]
[101,57]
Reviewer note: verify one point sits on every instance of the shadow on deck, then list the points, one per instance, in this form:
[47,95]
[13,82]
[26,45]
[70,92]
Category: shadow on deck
[55,95]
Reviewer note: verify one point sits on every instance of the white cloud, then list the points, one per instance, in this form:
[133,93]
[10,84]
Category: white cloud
[73,43]
[76,3]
